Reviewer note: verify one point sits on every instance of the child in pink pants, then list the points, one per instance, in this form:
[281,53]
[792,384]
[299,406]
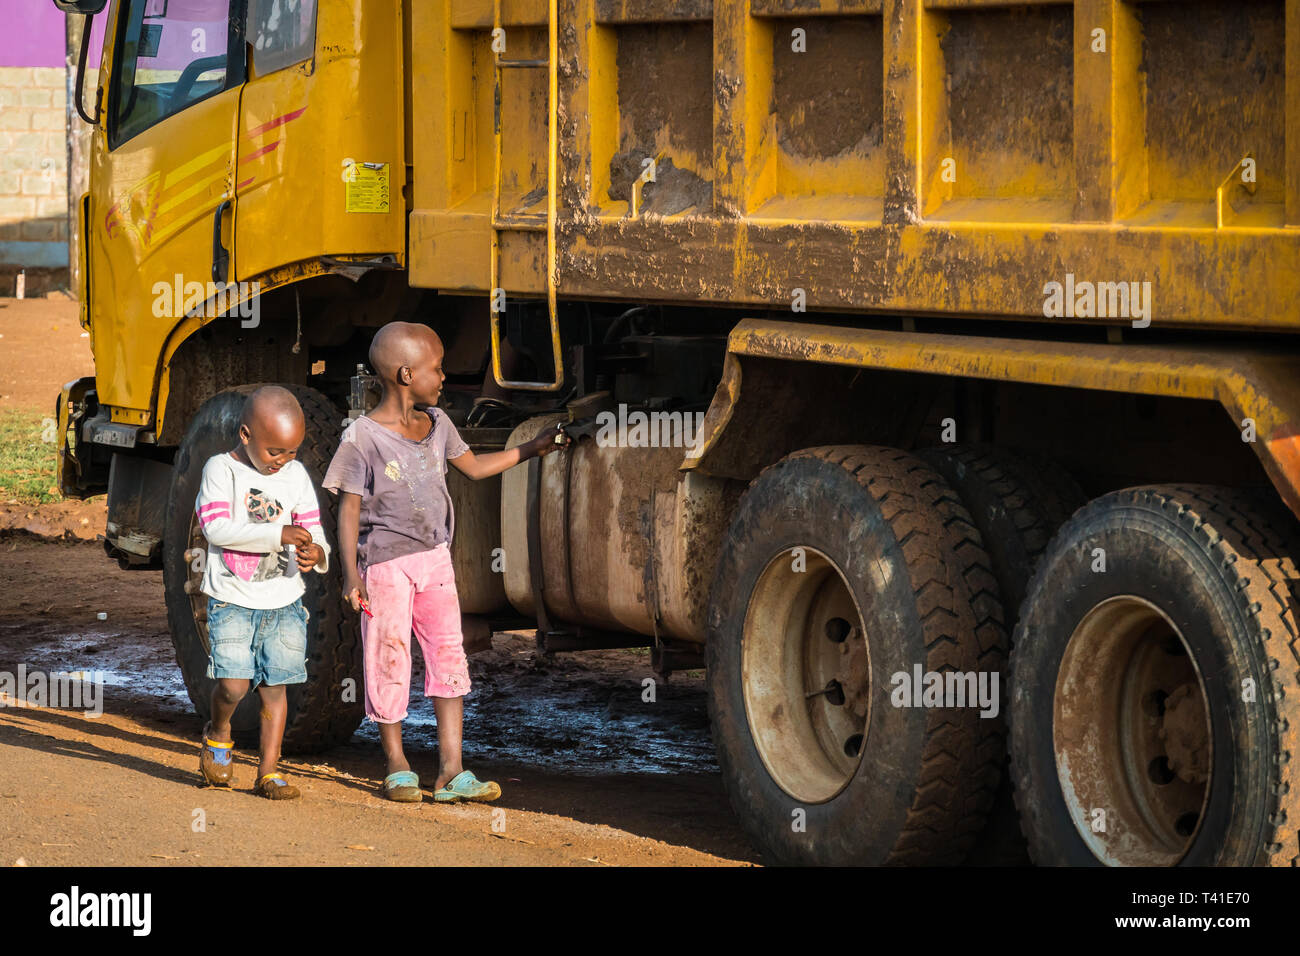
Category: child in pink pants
[412,595]
[395,529]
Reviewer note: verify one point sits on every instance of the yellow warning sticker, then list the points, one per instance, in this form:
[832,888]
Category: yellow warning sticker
[366,187]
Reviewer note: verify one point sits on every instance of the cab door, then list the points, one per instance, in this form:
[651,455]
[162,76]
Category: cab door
[162,183]
[321,158]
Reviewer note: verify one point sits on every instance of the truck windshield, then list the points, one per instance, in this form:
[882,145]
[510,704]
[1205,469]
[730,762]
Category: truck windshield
[171,54]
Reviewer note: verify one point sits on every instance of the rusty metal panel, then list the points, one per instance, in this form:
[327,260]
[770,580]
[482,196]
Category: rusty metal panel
[652,11]
[951,157]
[1260,384]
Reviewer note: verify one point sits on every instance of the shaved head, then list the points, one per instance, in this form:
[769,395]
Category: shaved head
[272,407]
[402,343]
[271,428]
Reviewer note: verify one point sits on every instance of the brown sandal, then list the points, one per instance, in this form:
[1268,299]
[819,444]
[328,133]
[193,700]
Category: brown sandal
[274,787]
[216,759]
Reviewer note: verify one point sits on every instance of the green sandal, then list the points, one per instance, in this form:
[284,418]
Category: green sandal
[403,787]
[466,786]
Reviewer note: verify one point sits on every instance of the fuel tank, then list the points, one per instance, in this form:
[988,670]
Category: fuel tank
[628,542]
[474,557]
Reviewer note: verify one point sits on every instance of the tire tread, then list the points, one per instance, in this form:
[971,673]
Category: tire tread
[954,790]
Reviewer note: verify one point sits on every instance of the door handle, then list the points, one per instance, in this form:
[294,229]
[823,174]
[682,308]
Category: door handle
[220,256]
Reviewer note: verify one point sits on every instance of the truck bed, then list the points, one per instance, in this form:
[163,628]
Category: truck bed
[951,157]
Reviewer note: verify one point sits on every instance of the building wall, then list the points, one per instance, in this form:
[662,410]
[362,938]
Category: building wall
[33,166]
[33,141]
[37,127]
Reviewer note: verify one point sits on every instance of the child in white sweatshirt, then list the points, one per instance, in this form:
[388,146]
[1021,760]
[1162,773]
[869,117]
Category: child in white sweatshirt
[259,513]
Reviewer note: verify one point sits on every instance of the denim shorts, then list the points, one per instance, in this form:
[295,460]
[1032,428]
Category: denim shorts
[266,647]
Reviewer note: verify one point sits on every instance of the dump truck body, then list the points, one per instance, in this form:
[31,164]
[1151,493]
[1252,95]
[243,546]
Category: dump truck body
[950,158]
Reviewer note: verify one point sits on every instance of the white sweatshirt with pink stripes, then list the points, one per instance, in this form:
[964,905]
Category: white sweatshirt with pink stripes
[242,512]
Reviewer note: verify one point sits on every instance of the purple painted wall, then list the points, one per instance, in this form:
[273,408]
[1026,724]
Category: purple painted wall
[33,34]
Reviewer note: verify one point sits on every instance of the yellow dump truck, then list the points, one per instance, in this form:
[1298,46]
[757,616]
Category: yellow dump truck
[931,363]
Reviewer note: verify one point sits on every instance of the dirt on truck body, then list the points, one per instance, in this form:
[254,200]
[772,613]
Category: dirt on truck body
[930,368]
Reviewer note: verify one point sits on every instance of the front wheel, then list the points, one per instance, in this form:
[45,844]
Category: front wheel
[326,709]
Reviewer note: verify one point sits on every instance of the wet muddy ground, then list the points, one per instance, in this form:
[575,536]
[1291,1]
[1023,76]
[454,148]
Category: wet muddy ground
[592,773]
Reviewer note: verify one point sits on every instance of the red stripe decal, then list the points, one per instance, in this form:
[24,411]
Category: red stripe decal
[278,121]
[259,152]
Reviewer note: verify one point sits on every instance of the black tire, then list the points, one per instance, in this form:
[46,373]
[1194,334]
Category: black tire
[1017,501]
[319,717]
[1197,578]
[909,556]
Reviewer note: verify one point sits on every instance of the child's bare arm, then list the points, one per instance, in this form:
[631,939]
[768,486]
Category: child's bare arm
[349,523]
[493,463]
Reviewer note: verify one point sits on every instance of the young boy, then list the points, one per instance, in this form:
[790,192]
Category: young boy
[258,510]
[395,530]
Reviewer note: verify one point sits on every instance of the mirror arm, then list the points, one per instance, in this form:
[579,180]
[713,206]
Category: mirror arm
[81,74]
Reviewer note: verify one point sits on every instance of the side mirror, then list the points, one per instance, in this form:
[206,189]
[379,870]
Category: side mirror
[81,6]
[88,9]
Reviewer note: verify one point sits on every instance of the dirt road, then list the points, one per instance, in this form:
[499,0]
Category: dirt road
[42,347]
[591,774]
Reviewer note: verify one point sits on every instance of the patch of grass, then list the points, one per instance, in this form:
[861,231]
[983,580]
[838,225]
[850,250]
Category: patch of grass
[28,445]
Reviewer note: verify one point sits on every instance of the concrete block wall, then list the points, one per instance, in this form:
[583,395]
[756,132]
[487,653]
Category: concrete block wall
[33,167]
[35,141]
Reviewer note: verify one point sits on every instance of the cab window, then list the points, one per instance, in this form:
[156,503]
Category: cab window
[170,55]
[281,33]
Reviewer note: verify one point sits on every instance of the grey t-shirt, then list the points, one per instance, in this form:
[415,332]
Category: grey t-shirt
[405,506]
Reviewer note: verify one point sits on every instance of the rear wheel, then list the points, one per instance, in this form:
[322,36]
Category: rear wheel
[845,566]
[1017,501]
[325,710]
[1156,684]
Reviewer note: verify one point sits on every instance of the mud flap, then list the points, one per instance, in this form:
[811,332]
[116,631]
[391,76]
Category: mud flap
[137,508]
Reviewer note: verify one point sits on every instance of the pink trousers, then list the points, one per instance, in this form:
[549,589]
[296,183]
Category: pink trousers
[414,594]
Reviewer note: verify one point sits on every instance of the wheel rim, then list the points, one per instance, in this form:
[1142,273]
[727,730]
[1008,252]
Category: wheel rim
[194,581]
[1132,735]
[806,675]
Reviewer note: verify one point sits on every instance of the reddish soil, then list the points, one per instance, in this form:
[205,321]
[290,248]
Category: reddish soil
[591,773]
[72,520]
[42,348]
[121,789]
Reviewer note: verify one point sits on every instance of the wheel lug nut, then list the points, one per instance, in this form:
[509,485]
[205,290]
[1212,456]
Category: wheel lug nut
[833,691]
